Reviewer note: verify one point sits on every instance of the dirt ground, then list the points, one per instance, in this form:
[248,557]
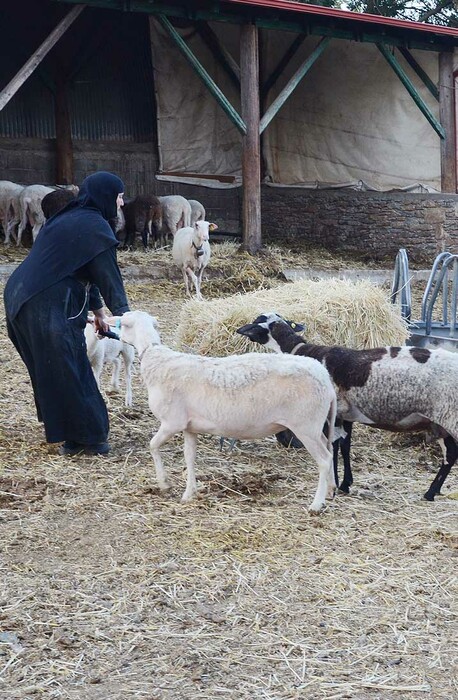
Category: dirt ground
[111,590]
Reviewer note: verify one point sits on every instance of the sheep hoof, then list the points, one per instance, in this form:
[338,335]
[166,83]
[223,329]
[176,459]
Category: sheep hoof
[164,486]
[315,509]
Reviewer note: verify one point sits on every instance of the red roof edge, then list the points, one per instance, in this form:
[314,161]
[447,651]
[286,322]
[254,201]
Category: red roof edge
[301,8]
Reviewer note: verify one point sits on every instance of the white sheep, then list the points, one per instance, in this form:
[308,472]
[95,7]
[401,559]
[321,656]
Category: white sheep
[191,253]
[9,207]
[246,396]
[30,210]
[176,214]
[197,211]
[102,351]
[402,389]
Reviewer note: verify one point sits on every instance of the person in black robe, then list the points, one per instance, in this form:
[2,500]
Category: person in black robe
[71,266]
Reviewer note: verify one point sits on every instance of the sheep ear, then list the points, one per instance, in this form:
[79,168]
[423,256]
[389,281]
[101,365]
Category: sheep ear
[212,227]
[256,333]
[297,327]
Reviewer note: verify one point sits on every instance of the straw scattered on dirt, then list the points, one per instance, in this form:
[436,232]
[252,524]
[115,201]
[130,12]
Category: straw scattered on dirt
[112,590]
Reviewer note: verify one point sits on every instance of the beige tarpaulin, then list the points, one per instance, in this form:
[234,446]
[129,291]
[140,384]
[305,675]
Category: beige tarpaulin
[349,121]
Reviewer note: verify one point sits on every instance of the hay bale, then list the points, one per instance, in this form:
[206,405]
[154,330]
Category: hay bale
[336,312]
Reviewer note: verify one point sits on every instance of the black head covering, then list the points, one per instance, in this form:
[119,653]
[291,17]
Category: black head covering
[98,191]
[68,240]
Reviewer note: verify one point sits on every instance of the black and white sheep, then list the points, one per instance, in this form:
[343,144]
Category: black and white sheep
[191,253]
[401,389]
[194,394]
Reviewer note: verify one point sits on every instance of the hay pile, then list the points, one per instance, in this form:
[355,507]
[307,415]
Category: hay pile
[336,312]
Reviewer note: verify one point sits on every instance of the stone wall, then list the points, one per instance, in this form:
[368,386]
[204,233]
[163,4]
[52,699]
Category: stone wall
[371,225]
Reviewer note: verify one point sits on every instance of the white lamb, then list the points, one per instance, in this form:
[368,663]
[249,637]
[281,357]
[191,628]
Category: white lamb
[191,253]
[109,351]
[246,396]
[9,207]
[197,211]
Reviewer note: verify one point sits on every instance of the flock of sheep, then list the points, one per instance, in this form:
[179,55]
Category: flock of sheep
[308,395]
[158,220]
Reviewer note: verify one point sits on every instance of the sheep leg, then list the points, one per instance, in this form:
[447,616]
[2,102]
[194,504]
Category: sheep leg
[128,377]
[190,449]
[451,454]
[345,444]
[115,374]
[195,282]
[318,449]
[186,282]
[162,436]
[21,228]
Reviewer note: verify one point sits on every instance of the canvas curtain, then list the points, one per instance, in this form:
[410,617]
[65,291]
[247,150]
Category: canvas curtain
[350,122]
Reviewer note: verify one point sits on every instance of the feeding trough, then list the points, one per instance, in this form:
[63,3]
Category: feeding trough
[437,326]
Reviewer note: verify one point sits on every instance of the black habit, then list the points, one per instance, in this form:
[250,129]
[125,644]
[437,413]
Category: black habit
[71,265]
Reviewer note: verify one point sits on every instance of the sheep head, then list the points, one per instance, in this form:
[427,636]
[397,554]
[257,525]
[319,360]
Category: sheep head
[140,330]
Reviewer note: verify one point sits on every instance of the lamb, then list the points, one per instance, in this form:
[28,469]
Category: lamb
[9,207]
[197,211]
[108,350]
[401,389]
[176,214]
[191,252]
[55,201]
[142,214]
[194,394]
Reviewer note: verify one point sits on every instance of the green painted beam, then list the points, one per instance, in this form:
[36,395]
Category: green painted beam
[437,126]
[313,25]
[232,113]
[280,67]
[280,100]
[420,72]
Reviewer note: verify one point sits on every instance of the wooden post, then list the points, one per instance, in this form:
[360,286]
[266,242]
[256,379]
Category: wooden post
[447,118]
[251,162]
[64,144]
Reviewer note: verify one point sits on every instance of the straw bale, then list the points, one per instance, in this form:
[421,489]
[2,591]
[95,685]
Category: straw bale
[336,312]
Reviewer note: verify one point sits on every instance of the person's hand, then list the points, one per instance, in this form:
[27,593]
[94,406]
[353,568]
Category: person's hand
[101,321]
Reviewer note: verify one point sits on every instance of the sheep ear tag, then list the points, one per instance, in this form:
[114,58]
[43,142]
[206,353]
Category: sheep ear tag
[297,327]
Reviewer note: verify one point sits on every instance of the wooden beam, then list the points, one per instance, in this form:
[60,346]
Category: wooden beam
[220,52]
[251,161]
[317,25]
[232,113]
[27,69]
[293,83]
[64,143]
[282,64]
[447,117]
[403,77]
[420,72]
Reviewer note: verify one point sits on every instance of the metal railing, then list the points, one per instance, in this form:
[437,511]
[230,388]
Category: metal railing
[443,280]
